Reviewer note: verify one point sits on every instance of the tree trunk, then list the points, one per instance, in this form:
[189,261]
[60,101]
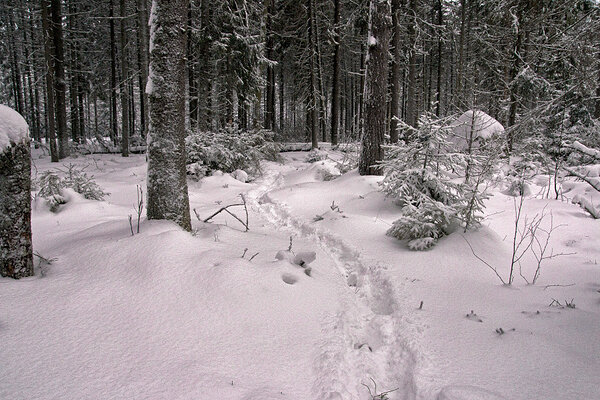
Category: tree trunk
[72,71]
[313,104]
[411,95]
[143,63]
[438,97]
[124,82]
[375,88]
[597,110]
[281,98]
[114,125]
[269,54]
[514,71]
[49,61]
[335,91]
[16,258]
[167,185]
[396,85]
[59,79]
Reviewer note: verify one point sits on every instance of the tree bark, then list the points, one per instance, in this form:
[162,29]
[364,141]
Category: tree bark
[114,126]
[411,95]
[143,63]
[167,185]
[396,84]
[124,82]
[16,258]
[49,61]
[59,79]
[313,104]
[375,88]
[269,54]
[335,91]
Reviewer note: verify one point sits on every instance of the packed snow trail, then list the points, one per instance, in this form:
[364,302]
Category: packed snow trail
[364,343]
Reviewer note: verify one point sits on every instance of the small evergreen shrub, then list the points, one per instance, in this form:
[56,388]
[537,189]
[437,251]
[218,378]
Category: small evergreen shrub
[315,155]
[229,149]
[424,176]
[51,185]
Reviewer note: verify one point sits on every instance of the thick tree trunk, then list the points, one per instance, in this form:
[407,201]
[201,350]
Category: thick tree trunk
[335,91]
[167,185]
[375,88]
[49,61]
[124,84]
[16,258]
[59,79]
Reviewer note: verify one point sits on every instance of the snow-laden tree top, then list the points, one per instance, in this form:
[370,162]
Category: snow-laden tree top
[478,124]
[13,127]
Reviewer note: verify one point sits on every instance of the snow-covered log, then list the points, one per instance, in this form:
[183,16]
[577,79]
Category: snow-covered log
[580,147]
[16,259]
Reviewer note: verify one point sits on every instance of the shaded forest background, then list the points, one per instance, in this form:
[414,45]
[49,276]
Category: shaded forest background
[77,69]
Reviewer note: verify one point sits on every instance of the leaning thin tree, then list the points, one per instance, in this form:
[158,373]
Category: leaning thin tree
[167,186]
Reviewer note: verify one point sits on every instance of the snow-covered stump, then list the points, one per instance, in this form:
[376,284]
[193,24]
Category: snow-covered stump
[16,258]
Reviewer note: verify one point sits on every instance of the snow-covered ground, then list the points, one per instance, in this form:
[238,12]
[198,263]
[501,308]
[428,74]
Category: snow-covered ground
[164,314]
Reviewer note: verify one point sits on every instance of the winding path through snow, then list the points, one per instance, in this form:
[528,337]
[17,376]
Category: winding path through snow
[365,339]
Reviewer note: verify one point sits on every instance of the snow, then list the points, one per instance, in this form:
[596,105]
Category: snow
[168,314]
[13,128]
[476,123]
[372,41]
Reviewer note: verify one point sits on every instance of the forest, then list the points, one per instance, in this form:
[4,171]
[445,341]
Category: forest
[300,199]
[298,67]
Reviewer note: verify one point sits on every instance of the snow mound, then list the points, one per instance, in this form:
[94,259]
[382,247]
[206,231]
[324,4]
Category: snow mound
[476,123]
[13,127]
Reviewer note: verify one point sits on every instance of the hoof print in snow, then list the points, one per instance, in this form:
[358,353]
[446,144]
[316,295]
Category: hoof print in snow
[352,280]
[284,255]
[474,317]
[289,279]
[304,258]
